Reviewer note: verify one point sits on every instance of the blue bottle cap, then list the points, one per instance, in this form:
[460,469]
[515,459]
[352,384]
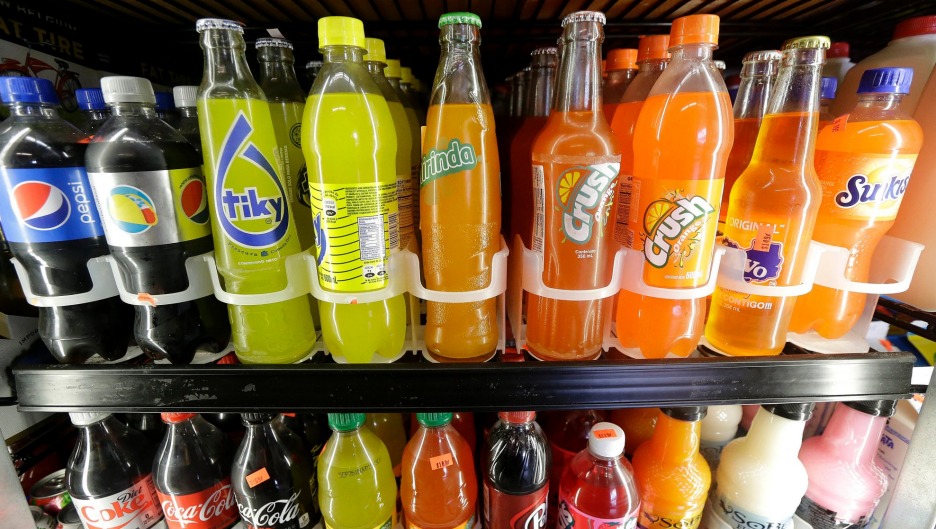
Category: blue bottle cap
[829,84]
[164,101]
[886,81]
[90,99]
[27,90]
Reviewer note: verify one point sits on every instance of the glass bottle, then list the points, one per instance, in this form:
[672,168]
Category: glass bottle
[392,73]
[184,97]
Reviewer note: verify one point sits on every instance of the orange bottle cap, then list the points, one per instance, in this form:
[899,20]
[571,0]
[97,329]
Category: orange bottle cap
[176,417]
[653,47]
[517,417]
[622,59]
[694,29]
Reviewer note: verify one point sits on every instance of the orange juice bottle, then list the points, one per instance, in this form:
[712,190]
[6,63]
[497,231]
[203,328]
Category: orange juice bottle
[681,144]
[773,209]
[864,162]
[459,197]
[621,70]
[575,168]
[638,425]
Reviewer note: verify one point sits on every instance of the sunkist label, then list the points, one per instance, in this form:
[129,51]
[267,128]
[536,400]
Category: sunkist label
[585,196]
[133,508]
[514,511]
[863,186]
[570,517]
[212,508]
[48,205]
[457,157]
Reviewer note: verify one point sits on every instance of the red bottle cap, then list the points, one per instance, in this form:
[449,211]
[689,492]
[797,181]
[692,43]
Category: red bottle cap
[915,26]
[694,29]
[517,417]
[622,59]
[172,418]
[653,47]
[838,49]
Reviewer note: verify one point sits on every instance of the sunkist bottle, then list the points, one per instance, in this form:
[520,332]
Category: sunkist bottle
[672,476]
[439,488]
[864,161]
[185,97]
[349,143]
[827,89]
[389,428]
[568,433]
[459,197]
[719,427]
[576,161]
[251,219]
[772,209]
[621,70]
[681,144]
[515,473]
[392,73]
[356,485]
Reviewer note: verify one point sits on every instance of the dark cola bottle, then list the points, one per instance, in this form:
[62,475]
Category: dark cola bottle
[516,473]
[148,424]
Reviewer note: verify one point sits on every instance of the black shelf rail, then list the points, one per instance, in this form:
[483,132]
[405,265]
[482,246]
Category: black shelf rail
[465,387]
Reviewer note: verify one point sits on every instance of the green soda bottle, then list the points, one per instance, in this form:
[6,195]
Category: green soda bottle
[394,74]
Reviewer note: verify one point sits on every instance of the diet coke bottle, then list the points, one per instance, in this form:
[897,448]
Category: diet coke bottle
[109,475]
[193,474]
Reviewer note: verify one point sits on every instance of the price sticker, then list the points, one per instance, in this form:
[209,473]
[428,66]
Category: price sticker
[258,477]
[605,434]
[838,124]
[442,461]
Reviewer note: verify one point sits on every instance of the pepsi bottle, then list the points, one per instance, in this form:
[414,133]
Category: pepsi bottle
[94,111]
[51,224]
[150,191]
[165,108]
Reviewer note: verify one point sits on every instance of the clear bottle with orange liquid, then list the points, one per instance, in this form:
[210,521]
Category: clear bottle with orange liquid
[575,168]
[459,197]
[621,69]
[681,144]
[864,160]
[827,89]
[638,425]
[772,210]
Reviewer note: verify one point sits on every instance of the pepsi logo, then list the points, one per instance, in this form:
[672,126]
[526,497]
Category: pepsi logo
[131,209]
[41,206]
[194,201]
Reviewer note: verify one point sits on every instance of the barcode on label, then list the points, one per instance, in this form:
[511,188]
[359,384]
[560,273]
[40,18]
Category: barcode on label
[371,237]
[539,208]
[394,237]
[623,208]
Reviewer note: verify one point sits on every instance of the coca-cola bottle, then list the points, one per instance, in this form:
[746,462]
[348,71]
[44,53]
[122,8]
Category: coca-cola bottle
[148,424]
[192,474]
[272,476]
[109,475]
[516,473]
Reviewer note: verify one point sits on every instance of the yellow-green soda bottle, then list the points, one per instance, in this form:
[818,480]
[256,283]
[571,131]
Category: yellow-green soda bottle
[251,218]
[357,489]
[406,84]
[389,428]
[393,74]
[350,145]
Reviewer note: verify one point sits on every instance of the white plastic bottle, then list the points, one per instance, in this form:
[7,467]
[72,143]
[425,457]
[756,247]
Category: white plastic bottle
[719,427]
[837,61]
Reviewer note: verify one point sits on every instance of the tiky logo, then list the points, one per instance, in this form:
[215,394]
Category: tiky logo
[585,197]
[672,226]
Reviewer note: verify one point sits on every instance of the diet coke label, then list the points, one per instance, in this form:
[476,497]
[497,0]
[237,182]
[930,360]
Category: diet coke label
[133,508]
[282,514]
[212,508]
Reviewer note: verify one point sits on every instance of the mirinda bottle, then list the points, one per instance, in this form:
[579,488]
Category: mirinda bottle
[681,144]
[621,68]
[575,169]
[773,209]
[864,161]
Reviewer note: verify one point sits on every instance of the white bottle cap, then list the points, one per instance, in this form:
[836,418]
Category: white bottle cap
[120,89]
[84,419]
[606,440]
[721,421]
[184,96]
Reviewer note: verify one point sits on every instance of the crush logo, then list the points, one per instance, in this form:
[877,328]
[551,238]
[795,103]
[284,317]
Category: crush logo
[585,198]
[457,158]
[672,227]
[858,190]
[252,204]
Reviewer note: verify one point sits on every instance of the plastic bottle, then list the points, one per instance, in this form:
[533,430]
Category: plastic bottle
[165,108]
[356,485]
[638,425]
[459,203]
[250,254]
[826,95]
[719,427]
[312,69]
[772,209]
[576,161]
[110,475]
[389,428]
[912,46]
[864,163]
[845,481]
[568,433]
[837,62]
[51,224]
[439,489]
[672,476]
[516,470]
[507,128]
[184,97]
[406,84]
[150,192]
[621,70]
[94,111]
[392,72]
[148,424]
[598,488]
[681,144]
[760,479]
[463,422]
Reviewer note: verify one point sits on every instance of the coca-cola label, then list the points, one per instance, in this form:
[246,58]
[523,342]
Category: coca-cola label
[286,513]
[133,508]
[514,511]
[570,517]
[212,508]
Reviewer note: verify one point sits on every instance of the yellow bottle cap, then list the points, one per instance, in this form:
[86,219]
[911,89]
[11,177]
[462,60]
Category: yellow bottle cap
[816,41]
[375,50]
[392,71]
[407,75]
[341,31]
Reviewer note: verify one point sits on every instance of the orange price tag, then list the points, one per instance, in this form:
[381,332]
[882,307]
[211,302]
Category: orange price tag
[442,461]
[289,415]
[605,434]
[258,477]
[764,236]
[838,124]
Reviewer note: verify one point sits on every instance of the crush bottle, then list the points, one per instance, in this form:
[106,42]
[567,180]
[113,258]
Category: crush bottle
[459,196]
[772,209]
[575,170]
[392,73]
[251,217]
[621,70]
[349,144]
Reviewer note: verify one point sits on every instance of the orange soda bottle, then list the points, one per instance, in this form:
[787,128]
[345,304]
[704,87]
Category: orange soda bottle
[864,162]
[772,210]
[681,144]
[638,425]
[621,70]
[575,168]
[826,95]
[459,197]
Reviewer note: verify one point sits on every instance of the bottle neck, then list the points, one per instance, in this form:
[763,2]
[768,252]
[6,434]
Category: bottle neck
[775,436]
[375,68]
[277,70]
[187,112]
[652,66]
[751,101]
[855,435]
[343,54]
[540,94]
[144,110]
[459,78]
[394,82]
[620,76]
[579,76]
[676,440]
[692,52]
[96,115]
[40,110]
[226,62]
[876,103]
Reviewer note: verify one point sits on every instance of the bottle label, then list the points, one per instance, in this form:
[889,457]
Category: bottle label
[133,508]
[386,525]
[455,158]
[48,205]
[286,513]
[468,524]
[674,225]
[287,117]
[405,200]
[866,187]
[622,234]
[539,208]
[149,208]
[212,508]
[738,518]
[815,516]
[689,520]
[514,511]
[570,517]
[356,225]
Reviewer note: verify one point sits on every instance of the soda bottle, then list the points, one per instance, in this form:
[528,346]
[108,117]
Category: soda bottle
[826,95]
[539,101]
[148,424]
[459,197]
[406,84]
[272,476]
[597,488]
[392,73]
[672,476]
[251,219]
[719,427]
[51,224]
[463,422]
[439,487]
[621,70]
[165,108]
[94,111]
[150,192]
[312,69]
[575,169]
[192,472]
[350,148]
[772,209]
[110,475]
[638,425]
[356,485]
[389,428]
[760,479]
[516,470]
[568,433]
[864,163]
[311,428]
[184,97]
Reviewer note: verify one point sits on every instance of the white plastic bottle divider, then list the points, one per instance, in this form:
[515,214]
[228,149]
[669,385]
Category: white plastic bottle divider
[103,285]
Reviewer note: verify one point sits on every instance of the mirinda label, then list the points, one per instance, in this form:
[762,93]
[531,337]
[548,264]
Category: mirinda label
[866,187]
[570,517]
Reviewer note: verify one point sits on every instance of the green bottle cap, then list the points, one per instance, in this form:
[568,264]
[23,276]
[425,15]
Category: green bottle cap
[434,419]
[345,422]
[459,17]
